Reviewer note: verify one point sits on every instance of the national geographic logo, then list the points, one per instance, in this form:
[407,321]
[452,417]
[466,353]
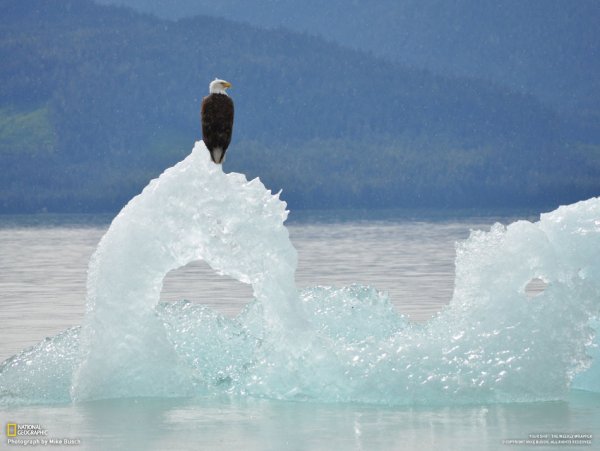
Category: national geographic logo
[29,430]
[11,429]
[18,434]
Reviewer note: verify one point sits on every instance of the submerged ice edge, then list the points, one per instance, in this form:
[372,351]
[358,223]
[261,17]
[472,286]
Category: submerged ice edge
[491,344]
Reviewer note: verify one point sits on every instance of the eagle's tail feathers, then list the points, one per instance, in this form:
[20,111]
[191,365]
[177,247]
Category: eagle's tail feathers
[217,155]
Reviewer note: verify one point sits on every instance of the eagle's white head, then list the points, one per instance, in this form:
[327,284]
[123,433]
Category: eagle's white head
[218,86]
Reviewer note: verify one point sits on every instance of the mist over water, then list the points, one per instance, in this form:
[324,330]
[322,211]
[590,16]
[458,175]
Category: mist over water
[492,344]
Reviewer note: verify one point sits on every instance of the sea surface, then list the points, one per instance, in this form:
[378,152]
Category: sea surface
[409,255]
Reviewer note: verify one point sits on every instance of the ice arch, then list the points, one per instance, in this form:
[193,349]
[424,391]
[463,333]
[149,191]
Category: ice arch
[193,211]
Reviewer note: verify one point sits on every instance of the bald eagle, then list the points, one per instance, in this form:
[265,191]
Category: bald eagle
[217,119]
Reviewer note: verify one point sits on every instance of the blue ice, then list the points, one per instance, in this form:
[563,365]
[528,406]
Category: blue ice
[492,343]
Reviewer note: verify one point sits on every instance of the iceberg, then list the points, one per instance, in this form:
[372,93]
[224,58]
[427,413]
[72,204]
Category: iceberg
[589,380]
[493,342]
[193,211]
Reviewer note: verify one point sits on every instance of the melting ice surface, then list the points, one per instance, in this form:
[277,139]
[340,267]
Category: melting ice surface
[493,343]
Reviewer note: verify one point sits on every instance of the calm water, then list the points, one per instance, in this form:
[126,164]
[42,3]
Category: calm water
[42,291]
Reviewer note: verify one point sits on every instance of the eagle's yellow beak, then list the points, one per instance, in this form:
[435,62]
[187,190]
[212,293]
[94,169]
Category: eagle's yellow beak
[227,84]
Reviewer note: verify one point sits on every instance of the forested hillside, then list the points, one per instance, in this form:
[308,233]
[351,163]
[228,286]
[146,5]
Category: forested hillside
[548,48]
[96,100]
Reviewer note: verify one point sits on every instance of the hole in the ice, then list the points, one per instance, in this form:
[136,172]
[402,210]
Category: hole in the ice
[199,283]
[535,287]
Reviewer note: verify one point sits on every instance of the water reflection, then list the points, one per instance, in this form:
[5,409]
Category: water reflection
[255,424]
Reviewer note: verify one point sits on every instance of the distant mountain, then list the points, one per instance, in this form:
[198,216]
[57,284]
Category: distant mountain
[96,100]
[549,48]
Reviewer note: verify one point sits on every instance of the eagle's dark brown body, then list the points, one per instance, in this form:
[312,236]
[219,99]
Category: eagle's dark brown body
[217,124]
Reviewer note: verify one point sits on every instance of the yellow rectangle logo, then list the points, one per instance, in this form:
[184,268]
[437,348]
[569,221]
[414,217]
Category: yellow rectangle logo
[11,429]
